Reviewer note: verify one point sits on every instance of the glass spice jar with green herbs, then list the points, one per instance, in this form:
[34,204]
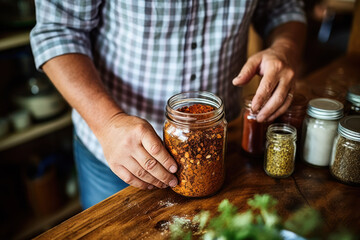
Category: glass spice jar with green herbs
[195,135]
[280,151]
[345,158]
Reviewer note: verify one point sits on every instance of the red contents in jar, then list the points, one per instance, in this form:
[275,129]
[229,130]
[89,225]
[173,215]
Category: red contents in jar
[253,133]
[197,108]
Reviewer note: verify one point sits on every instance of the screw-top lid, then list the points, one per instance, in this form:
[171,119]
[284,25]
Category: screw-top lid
[353,95]
[247,100]
[325,108]
[349,127]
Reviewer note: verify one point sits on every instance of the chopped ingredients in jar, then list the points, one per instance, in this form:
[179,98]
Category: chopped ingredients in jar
[199,154]
[280,159]
[280,150]
[197,108]
[346,163]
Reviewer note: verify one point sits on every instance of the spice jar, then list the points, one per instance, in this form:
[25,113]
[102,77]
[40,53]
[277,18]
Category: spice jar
[280,150]
[195,132]
[295,114]
[345,160]
[319,130]
[253,133]
[353,100]
[330,89]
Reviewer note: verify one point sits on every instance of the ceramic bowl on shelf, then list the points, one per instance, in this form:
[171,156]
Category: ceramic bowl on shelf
[4,126]
[20,119]
[40,98]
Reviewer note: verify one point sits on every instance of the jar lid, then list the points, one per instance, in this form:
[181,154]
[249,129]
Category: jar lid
[349,127]
[325,108]
[299,102]
[247,100]
[353,95]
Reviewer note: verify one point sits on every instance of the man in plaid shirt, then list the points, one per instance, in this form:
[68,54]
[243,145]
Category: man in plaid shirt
[117,62]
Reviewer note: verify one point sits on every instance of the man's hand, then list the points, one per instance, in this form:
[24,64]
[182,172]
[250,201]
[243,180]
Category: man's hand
[276,89]
[133,150]
[277,65]
[136,154]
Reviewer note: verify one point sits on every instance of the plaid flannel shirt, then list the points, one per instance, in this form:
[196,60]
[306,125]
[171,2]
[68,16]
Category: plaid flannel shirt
[147,51]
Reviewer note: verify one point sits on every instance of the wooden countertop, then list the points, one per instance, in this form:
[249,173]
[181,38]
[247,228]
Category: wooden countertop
[138,214]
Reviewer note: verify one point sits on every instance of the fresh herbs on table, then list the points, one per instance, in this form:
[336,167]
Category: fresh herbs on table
[261,221]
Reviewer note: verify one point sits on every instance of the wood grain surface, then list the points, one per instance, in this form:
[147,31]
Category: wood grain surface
[138,214]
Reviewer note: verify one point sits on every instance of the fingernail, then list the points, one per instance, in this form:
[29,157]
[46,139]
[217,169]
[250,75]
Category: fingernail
[234,80]
[255,108]
[173,183]
[150,187]
[173,169]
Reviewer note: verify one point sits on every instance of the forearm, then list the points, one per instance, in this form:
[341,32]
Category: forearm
[290,39]
[77,79]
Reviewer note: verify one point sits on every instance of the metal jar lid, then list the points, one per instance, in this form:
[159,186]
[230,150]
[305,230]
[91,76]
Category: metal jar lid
[325,109]
[353,95]
[349,127]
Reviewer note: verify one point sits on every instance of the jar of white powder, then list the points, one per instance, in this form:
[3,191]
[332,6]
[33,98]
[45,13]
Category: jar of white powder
[320,129]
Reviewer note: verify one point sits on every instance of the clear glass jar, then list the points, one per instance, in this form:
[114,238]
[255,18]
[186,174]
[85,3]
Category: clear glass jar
[253,136]
[345,159]
[330,89]
[295,114]
[352,106]
[280,152]
[319,130]
[195,133]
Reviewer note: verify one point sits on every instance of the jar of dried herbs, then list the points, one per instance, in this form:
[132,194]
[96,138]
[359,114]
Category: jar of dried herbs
[280,150]
[345,159]
[195,132]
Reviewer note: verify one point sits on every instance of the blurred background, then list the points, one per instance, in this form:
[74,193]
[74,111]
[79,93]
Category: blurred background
[37,173]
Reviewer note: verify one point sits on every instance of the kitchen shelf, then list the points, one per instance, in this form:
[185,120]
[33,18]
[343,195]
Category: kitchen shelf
[41,224]
[35,131]
[14,39]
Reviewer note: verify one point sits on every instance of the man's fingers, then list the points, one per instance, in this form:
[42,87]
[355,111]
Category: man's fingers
[277,103]
[283,108]
[154,167]
[141,173]
[156,149]
[248,71]
[266,87]
[130,179]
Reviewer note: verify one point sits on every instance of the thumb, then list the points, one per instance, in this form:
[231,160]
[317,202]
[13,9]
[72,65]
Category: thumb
[248,71]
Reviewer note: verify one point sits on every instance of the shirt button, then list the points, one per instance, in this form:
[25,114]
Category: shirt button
[193,77]
[193,45]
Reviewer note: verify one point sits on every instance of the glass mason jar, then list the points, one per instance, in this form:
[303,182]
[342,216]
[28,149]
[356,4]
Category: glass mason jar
[280,152]
[345,159]
[295,114]
[352,106]
[195,132]
[319,130]
[253,136]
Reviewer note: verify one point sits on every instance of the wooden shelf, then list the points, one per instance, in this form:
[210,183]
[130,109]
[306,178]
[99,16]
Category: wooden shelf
[41,224]
[35,131]
[15,39]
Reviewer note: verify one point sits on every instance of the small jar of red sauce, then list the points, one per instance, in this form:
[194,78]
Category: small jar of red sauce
[296,113]
[253,137]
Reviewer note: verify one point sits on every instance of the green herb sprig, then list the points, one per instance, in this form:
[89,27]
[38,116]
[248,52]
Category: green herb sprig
[260,222]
